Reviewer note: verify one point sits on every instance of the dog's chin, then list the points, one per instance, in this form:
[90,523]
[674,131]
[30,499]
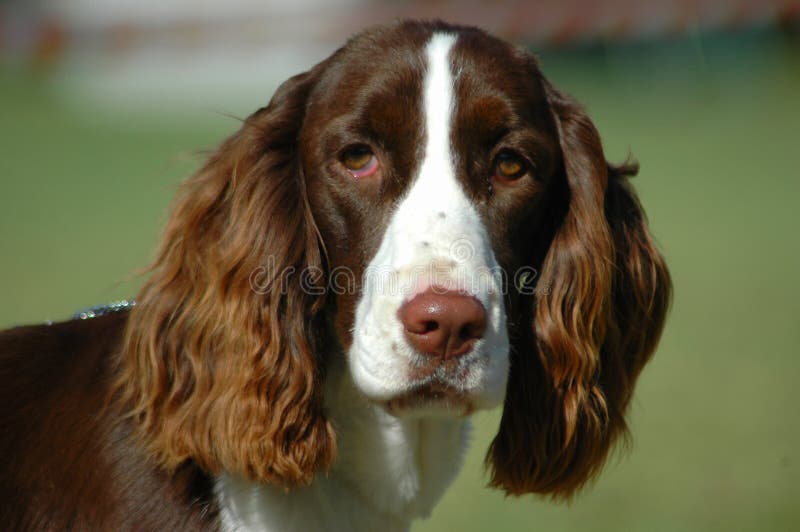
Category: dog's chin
[433,399]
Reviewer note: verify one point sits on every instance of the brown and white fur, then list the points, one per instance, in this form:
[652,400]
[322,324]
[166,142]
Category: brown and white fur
[314,333]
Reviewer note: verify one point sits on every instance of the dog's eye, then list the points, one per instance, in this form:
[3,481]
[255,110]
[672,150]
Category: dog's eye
[359,161]
[509,166]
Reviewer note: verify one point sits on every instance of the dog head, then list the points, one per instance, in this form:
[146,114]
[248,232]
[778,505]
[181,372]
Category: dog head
[426,204]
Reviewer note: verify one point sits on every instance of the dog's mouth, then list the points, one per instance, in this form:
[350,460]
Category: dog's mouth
[433,398]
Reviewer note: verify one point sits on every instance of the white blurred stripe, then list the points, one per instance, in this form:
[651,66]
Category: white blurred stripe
[103,13]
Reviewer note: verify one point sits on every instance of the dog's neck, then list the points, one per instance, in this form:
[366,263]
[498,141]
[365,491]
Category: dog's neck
[389,470]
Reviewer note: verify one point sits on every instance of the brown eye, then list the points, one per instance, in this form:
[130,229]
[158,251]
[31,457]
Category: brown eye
[359,161]
[508,165]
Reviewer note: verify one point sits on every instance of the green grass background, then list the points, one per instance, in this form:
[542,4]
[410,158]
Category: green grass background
[715,123]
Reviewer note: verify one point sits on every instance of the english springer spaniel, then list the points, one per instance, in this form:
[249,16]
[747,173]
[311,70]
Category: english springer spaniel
[418,227]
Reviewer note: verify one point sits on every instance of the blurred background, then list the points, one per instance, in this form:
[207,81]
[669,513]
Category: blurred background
[108,104]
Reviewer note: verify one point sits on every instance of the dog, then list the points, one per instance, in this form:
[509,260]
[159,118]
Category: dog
[416,228]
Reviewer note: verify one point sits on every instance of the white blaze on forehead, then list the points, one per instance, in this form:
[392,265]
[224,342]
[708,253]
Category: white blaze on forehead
[435,210]
[438,106]
[435,236]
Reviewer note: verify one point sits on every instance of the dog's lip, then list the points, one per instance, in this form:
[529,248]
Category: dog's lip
[440,395]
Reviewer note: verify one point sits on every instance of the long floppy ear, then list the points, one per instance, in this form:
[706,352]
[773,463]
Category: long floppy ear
[219,363]
[601,301]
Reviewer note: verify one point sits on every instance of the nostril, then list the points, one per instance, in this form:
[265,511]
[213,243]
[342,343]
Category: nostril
[429,326]
[471,331]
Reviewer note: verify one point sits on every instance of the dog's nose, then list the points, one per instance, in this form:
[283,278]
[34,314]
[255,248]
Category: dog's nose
[443,324]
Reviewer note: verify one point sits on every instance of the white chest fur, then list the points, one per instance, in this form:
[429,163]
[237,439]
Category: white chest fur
[389,471]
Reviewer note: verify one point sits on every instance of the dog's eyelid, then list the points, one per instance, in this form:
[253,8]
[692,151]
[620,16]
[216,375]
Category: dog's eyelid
[353,147]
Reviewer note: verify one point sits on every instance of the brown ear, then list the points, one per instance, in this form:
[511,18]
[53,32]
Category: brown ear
[600,307]
[219,364]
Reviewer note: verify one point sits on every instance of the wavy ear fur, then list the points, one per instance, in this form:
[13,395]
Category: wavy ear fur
[603,295]
[214,369]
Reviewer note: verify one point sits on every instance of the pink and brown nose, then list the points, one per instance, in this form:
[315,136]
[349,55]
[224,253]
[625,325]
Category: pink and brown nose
[443,324]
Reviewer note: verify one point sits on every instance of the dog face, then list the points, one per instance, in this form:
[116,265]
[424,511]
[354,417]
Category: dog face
[425,201]
[424,320]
